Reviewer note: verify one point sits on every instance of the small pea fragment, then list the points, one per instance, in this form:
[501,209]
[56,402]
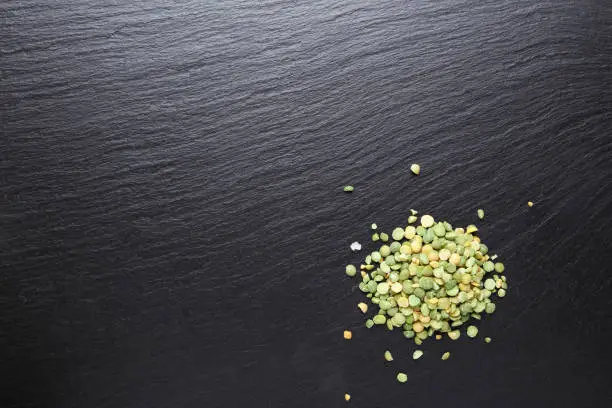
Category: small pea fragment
[487,339]
[454,335]
[348,189]
[446,355]
[402,377]
[384,237]
[412,219]
[415,168]
[472,331]
[348,335]
[388,356]
[471,228]
[480,213]
[347,397]
[417,354]
[351,270]
[363,307]
[369,323]
[374,226]
[530,204]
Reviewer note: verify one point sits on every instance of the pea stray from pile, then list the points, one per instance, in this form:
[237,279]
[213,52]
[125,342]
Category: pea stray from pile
[430,279]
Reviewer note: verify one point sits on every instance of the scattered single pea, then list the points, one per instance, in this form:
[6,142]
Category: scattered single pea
[384,237]
[415,168]
[487,339]
[480,213]
[351,270]
[412,219]
[501,293]
[388,356]
[369,323]
[375,237]
[413,211]
[348,189]
[402,377]
[446,355]
[499,267]
[355,246]
[374,226]
[363,307]
[348,334]
[417,354]
[347,397]
[530,204]
[472,331]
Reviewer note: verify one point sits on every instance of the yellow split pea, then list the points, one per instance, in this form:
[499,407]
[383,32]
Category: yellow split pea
[348,335]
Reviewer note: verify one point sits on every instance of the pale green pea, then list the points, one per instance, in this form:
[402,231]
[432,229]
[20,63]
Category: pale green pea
[452,292]
[388,355]
[372,285]
[384,237]
[408,334]
[501,293]
[369,323]
[490,308]
[413,212]
[417,354]
[499,267]
[446,355]
[487,339]
[439,229]
[472,331]
[368,260]
[489,284]
[398,319]
[488,266]
[414,301]
[383,288]
[480,213]
[375,237]
[348,189]
[384,267]
[418,341]
[425,309]
[374,226]
[412,219]
[398,234]
[394,247]
[379,319]
[351,270]
[402,377]
[385,251]
[376,256]
[423,259]
[389,324]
